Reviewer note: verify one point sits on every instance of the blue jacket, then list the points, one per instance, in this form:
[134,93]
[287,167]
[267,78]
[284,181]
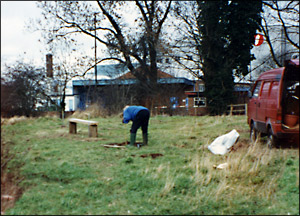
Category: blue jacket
[130,113]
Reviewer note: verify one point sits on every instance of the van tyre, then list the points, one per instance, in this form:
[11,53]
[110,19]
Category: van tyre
[253,134]
[272,140]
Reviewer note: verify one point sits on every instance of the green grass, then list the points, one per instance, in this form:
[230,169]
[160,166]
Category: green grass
[74,174]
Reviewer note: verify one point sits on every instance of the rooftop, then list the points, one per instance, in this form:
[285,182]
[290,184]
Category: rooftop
[105,82]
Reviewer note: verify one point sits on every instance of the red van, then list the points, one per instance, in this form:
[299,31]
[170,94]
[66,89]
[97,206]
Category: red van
[273,107]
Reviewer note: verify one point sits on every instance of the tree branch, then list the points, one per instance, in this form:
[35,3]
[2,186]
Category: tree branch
[73,24]
[160,23]
[98,62]
[285,29]
[266,33]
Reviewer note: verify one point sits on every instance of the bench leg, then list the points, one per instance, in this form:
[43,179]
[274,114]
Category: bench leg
[72,128]
[93,131]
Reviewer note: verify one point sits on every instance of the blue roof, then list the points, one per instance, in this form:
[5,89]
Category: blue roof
[112,70]
[130,82]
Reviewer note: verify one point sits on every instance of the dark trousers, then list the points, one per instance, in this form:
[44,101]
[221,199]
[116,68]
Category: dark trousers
[141,120]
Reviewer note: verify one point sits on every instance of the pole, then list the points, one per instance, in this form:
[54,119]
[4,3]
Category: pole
[250,69]
[95,51]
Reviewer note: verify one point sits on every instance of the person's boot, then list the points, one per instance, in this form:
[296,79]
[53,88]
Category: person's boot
[145,139]
[132,140]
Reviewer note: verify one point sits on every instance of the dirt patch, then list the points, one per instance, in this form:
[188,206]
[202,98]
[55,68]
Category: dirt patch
[10,191]
[182,146]
[239,145]
[153,155]
[122,144]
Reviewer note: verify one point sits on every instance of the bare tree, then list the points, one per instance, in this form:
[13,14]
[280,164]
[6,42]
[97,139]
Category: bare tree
[23,89]
[186,43]
[281,17]
[127,43]
[67,64]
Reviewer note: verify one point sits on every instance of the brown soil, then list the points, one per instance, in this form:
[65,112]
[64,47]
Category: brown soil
[124,144]
[10,191]
[240,145]
[153,155]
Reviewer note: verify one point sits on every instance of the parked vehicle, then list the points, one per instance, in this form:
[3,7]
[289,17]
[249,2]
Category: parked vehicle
[273,107]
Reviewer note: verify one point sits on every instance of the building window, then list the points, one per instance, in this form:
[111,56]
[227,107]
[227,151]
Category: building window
[199,102]
[201,87]
[174,102]
[71,107]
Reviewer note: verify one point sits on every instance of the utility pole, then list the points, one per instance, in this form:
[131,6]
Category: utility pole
[283,46]
[95,51]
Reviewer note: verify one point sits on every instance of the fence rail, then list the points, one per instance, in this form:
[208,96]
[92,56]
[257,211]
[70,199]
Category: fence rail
[237,109]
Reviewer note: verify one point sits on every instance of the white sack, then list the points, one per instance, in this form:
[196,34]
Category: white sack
[222,144]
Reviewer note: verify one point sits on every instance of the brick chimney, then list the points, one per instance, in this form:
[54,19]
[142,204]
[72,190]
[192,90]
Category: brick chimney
[49,65]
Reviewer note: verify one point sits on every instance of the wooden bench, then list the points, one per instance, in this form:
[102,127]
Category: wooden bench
[92,126]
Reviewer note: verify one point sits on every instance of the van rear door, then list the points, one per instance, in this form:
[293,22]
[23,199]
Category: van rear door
[290,97]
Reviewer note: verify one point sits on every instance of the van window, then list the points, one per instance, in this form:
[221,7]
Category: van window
[257,88]
[265,90]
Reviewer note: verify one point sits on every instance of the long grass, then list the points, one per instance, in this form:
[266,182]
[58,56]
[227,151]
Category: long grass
[74,174]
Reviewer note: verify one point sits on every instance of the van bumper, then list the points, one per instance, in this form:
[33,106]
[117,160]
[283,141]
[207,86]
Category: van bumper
[292,138]
[281,133]
[287,135]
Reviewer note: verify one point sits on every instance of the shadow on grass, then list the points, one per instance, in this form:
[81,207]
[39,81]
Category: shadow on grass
[284,143]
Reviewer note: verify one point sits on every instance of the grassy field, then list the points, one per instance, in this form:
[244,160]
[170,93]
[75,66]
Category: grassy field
[63,173]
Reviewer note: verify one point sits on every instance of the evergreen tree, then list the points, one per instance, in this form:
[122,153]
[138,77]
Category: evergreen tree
[227,29]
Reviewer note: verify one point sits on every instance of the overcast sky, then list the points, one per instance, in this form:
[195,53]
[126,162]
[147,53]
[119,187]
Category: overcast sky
[16,42]
[20,44]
